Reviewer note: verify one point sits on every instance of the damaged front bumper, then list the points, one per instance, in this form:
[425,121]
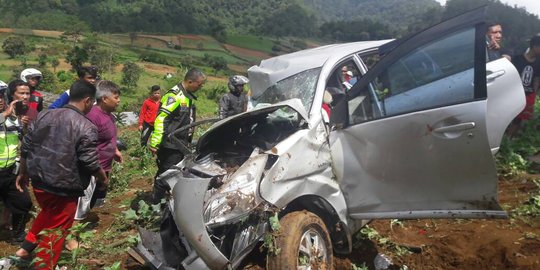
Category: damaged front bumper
[213,235]
[191,191]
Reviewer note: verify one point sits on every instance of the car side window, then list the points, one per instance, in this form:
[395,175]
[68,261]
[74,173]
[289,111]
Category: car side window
[343,77]
[436,74]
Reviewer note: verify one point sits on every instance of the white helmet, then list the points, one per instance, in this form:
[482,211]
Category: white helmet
[237,80]
[30,73]
[3,86]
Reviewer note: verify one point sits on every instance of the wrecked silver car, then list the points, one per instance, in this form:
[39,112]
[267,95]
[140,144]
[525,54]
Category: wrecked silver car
[341,134]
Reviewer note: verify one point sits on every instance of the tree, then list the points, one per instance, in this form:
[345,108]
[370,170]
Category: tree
[293,20]
[55,63]
[49,82]
[42,60]
[132,37]
[217,30]
[14,46]
[76,57]
[74,35]
[216,62]
[131,74]
[105,59]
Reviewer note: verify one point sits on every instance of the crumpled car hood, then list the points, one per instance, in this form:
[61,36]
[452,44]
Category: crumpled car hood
[294,104]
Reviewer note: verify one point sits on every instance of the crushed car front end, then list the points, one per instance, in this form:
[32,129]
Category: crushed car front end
[246,169]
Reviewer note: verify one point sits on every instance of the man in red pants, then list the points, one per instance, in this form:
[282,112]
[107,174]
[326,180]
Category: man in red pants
[60,171]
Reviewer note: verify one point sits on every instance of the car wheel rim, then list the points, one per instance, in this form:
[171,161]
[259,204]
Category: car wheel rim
[312,251]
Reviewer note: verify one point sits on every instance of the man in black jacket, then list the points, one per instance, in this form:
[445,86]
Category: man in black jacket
[235,101]
[59,154]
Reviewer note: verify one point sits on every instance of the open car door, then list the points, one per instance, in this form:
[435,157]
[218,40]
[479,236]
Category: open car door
[415,144]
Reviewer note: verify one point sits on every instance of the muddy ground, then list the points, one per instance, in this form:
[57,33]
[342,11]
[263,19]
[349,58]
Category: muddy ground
[512,243]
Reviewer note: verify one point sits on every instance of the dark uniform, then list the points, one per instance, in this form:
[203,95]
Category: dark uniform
[231,104]
[177,110]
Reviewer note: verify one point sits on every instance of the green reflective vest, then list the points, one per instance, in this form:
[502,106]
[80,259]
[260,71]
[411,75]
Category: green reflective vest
[175,111]
[9,142]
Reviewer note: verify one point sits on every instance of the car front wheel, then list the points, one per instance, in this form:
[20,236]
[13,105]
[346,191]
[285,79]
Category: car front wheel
[302,242]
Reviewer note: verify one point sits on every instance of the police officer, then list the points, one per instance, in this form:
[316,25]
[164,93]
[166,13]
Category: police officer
[235,101]
[10,133]
[177,110]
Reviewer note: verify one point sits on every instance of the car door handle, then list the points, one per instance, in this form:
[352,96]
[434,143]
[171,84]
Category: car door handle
[454,128]
[494,75]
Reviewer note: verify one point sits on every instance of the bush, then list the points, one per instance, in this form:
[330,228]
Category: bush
[215,93]
[513,153]
[216,62]
[276,48]
[300,44]
[154,58]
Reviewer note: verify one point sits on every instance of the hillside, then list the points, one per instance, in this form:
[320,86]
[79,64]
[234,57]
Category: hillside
[400,13]
[204,16]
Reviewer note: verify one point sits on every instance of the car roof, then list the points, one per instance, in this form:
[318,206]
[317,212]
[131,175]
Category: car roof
[275,69]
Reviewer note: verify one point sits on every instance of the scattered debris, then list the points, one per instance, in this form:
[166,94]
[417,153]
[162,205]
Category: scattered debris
[382,262]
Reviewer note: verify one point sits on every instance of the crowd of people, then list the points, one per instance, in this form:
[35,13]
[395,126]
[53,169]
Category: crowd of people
[67,150]
[527,64]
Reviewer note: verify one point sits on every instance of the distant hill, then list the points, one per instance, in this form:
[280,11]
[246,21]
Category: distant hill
[396,12]
[198,16]
[331,20]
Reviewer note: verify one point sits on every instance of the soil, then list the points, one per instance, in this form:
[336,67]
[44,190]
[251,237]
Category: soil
[246,52]
[463,244]
[436,244]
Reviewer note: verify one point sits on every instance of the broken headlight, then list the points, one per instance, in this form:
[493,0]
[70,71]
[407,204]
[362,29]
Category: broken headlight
[238,195]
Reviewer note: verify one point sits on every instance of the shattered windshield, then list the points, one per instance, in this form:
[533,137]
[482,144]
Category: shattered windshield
[301,85]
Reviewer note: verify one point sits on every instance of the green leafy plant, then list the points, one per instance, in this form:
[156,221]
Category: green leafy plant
[514,151]
[146,216]
[396,222]
[303,260]
[361,267]
[530,208]
[115,266]
[81,234]
[54,236]
[269,240]
[373,235]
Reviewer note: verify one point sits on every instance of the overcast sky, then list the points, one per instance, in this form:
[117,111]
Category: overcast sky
[532,6]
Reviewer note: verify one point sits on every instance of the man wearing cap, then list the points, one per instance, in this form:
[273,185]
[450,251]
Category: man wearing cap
[529,70]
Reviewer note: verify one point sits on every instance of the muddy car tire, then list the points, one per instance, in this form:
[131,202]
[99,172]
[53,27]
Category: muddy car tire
[302,242]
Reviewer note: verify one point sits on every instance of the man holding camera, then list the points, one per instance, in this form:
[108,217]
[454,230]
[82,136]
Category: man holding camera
[11,128]
[19,91]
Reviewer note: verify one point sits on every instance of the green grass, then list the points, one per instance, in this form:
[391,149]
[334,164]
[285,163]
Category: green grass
[207,42]
[251,42]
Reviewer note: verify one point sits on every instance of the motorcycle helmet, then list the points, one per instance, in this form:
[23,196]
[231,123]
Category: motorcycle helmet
[30,73]
[3,88]
[235,81]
